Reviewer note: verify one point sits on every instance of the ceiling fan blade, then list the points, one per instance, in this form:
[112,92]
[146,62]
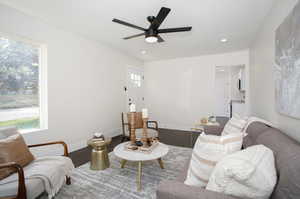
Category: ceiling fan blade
[159,39]
[160,18]
[133,36]
[128,24]
[169,30]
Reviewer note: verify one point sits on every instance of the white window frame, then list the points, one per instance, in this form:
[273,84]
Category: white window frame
[43,81]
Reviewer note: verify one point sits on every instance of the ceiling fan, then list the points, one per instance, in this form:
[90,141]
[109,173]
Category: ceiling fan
[152,32]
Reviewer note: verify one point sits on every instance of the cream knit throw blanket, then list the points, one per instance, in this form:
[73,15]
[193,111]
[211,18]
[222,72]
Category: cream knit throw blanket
[53,181]
[52,170]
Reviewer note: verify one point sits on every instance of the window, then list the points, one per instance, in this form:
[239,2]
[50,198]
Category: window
[136,79]
[22,92]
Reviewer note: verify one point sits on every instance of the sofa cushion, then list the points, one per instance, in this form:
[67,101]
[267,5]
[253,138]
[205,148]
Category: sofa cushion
[177,190]
[34,187]
[208,150]
[249,173]
[287,159]
[14,149]
[35,176]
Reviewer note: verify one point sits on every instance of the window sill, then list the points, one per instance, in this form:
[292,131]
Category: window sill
[28,131]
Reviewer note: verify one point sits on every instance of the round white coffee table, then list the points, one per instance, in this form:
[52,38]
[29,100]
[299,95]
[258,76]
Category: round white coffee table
[126,155]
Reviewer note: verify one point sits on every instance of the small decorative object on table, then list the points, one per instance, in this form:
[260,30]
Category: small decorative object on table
[212,119]
[99,156]
[139,147]
[132,125]
[204,122]
[98,136]
[145,144]
[145,133]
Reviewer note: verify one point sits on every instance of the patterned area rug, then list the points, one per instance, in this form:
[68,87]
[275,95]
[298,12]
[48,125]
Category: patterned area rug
[115,183]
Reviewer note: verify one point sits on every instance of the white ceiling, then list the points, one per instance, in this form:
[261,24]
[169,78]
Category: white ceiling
[236,20]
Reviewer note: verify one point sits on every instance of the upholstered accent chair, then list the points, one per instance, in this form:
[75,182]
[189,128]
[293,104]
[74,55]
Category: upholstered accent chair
[17,187]
[152,127]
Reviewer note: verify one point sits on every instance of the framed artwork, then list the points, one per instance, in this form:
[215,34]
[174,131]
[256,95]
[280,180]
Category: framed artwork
[287,65]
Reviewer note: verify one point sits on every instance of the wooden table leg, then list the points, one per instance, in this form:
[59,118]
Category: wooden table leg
[123,162]
[139,176]
[161,164]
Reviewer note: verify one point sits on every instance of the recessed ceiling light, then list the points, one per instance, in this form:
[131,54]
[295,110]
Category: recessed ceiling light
[224,40]
[143,52]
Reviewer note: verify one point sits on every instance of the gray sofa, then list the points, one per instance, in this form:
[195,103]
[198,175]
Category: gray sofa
[287,156]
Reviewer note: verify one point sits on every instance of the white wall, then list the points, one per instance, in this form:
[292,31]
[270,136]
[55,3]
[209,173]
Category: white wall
[85,81]
[262,60]
[181,91]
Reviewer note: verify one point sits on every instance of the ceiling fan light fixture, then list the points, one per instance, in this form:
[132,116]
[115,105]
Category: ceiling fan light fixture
[151,39]
[224,40]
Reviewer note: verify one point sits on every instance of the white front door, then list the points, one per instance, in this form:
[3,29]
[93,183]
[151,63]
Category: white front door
[134,88]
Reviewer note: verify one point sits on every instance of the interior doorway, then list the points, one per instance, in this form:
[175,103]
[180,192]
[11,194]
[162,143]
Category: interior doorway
[222,92]
[230,90]
[134,88]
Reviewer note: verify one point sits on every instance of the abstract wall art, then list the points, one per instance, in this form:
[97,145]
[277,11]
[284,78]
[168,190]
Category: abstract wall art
[287,65]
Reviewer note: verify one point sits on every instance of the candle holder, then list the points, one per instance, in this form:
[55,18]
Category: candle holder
[132,116]
[145,133]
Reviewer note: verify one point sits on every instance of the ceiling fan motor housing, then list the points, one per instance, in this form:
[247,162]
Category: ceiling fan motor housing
[150,18]
[151,33]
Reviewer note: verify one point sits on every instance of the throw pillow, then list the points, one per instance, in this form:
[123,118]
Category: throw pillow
[208,150]
[14,149]
[235,125]
[249,173]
